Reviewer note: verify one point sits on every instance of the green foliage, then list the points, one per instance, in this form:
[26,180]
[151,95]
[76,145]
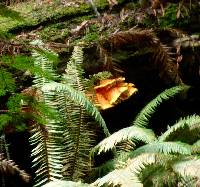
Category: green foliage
[188,167]
[14,103]
[196,147]
[91,37]
[130,133]
[185,130]
[6,12]
[60,31]
[149,22]
[79,99]
[4,35]
[63,121]
[163,161]
[45,111]
[15,115]
[79,125]
[142,119]
[163,171]
[26,64]
[95,78]
[88,38]
[4,120]
[151,168]
[160,174]
[137,131]
[7,82]
[163,147]
[47,140]
[41,60]
[100,76]
[54,34]
[47,13]
[71,137]
[170,18]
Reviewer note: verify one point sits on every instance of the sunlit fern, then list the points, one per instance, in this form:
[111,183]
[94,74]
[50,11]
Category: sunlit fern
[161,161]
[142,119]
[137,131]
[80,130]
[48,150]
[129,133]
[62,145]
[186,130]
[154,169]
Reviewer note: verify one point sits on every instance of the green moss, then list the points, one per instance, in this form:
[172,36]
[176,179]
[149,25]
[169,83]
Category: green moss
[49,31]
[45,14]
[4,35]
[60,31]
[54,34]
[33,16]
[91,37]
[9,13]
[101,4]
[87,39]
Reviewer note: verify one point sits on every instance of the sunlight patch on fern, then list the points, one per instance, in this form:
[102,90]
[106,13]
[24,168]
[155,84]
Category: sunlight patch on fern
[127,176]
[129,133]
[163,147]
[188,168]
[80,129]
[118,177]
[78,98]
[189,123]
[47,139]
[196,147]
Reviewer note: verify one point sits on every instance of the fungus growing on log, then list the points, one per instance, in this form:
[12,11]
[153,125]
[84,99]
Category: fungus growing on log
[112,91]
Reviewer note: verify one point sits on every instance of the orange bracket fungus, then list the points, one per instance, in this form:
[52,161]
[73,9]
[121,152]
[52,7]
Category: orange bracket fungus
[112,91]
